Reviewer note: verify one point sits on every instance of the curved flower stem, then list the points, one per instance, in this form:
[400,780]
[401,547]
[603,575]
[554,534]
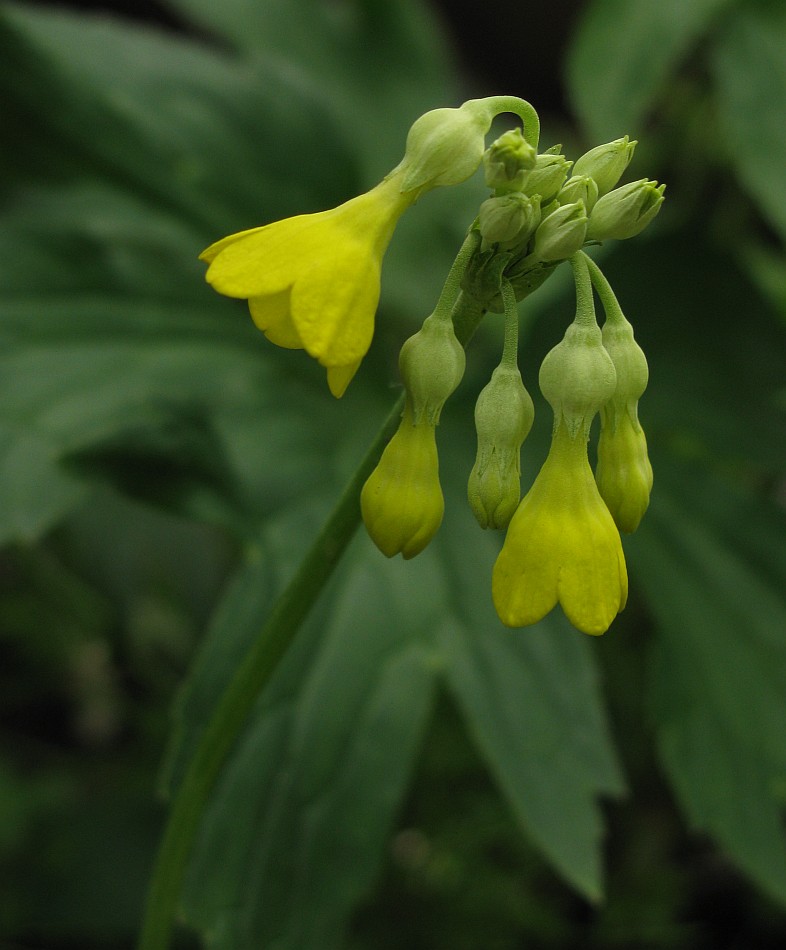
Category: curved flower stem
[523,109]
[255,671]
[607,296]
[585,304]
[451,289]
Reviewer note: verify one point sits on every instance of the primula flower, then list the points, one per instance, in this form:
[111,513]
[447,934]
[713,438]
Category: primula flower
[313,281]
[562,545]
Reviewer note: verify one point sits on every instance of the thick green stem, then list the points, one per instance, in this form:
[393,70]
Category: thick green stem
[255,671]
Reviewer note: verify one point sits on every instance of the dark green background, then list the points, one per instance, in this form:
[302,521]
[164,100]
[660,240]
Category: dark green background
[416,776]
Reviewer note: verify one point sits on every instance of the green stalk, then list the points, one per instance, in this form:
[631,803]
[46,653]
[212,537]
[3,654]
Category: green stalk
[258,666]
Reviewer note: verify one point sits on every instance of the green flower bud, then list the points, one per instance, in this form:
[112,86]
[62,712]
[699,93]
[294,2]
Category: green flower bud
[547,177]
[577,377]
[628,357]
[606,163]
[508,161]
[508,219]
[402,503]
[445,146]
[431,363]
[579,188]
[626,211]
[623,473]
[503,418]
[562,233]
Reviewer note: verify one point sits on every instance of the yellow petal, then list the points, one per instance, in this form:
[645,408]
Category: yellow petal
[260,261]
[333,307]
[272,315]
[562,545]
[339,377]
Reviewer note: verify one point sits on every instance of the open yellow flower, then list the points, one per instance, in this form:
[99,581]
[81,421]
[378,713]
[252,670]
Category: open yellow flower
[313,281]
[562,546]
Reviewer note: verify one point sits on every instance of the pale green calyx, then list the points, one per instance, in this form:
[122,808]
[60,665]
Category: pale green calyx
[562,233]
[626,211]
[577,377]
[629,361]
[606,163]
[508,161]
[503,418]
[547,177]
[508,219]
[579,188]
[432,364]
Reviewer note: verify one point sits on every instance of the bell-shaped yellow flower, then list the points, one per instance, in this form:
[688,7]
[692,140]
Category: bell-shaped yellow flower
[562,546]
[402,502]
[313,281]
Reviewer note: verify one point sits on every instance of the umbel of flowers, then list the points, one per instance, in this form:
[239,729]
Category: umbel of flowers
[313,282]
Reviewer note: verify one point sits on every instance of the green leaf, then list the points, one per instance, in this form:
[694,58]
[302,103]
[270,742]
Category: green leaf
[321,769]
[347,55]
[165,119]
[719,666]
[750,76]
[532,704]
[623,54]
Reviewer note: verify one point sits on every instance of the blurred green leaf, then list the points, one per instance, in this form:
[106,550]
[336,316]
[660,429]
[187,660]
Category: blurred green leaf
[749,67]
[624,52]
[321,769]
[378,64]
[163,118]
[532,705]
[719,672]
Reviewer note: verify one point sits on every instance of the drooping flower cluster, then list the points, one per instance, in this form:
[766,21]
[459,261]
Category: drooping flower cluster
[313,282]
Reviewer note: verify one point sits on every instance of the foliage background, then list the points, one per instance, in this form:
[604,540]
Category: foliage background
[415,776]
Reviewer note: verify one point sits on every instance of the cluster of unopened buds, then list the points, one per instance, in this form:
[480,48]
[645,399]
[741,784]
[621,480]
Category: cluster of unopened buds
[313,282]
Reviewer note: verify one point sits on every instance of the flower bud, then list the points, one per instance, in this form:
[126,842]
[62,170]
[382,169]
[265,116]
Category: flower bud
[606,163]
[626,211]
[577,377]
[431,363]
[508,218]
[402,503]
[547,177]
[623,473]
[445,146]
[503,418]
[508,161]
[579,188]
[562,233]
[628,357]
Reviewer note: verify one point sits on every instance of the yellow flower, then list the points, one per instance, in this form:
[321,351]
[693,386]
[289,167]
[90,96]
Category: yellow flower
[562,545]
[313,281]
[402,502]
